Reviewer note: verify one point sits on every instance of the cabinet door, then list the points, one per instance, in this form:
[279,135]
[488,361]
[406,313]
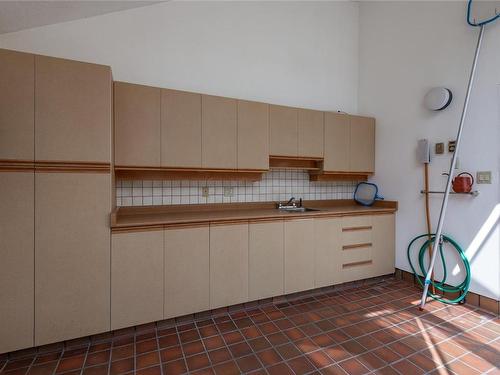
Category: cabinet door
[253,135]
[17,105]
[384,247]
[136,278]
[283,131]
[228,265]
[265,257]
[137,125]
[328,251]
[72,255]
[219,132]
[337,139]
[299,255]
[180,129]
[187,267]
[17,260]
[310,128]
[72,110]
[362,150]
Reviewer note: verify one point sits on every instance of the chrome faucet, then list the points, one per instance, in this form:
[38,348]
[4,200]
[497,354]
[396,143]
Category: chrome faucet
[291,201]
[290,204]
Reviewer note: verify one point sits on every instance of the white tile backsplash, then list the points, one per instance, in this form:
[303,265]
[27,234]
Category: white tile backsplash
[276,185]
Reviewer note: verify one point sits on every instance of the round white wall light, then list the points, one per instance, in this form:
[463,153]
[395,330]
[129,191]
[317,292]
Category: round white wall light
[438,98]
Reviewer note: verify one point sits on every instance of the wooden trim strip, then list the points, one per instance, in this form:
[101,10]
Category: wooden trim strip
[281,157]
[356,246]
[145,228]
[186,225]
[125,173]
[228,222]
[357,264]
[355,229]
[265,220]
[15,165]
[68,167]
[341,176]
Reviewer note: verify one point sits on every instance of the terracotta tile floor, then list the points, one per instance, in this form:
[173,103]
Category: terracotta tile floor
[375,329]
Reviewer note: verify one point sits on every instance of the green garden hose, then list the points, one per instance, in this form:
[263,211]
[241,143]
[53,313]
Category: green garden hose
[462,288]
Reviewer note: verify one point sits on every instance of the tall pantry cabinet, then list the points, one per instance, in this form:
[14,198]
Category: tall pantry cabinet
[55,195]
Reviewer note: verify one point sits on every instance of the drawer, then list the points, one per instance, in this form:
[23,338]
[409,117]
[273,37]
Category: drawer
[356,221]
[358,254]
[356,235]
[357,270]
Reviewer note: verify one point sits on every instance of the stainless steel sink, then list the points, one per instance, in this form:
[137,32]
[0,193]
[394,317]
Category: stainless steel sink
[298,209]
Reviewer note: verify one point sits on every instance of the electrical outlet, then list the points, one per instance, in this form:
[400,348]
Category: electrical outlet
[204,191]
[451,146]
[228,191]
[483,177]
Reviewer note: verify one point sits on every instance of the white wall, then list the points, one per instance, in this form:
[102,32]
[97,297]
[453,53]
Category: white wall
[295,53]
[405,49]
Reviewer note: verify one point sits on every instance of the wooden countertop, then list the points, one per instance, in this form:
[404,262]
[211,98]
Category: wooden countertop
[157,217]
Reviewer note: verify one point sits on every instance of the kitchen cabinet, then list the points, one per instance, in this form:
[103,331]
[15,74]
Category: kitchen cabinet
[187,267]
[299,255]
[283,131]
[17,105]
[383,238]
[136,278]
[137,125]
[219,132]
[17,260]
[180,129]
[362,144]
[327,251]
[337,142]
[228,264]
[72,255]
[253,135]
[72,111]
[310,133]
[265,259]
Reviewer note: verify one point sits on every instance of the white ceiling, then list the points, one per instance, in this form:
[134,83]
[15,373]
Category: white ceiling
[19,15]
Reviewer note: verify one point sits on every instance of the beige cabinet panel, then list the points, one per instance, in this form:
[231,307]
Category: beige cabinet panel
[253,135]
[136,278]
[337,139]
[228,265]
[283,131]
[299,255]
[17,105]
[137,125]
[362,150]
[72,255]
[17,260]
[265,257]
[72,110]
[384,247]
[310,129]
[328,251]
[180,129]
[219,132]
[187,267]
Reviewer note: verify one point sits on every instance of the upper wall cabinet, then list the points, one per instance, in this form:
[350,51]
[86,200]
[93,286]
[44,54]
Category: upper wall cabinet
[253,135]
[137,125]
[310,133]
[17,105]
[219,132]
[362,150]
[180,129]
[73,110]
[336,142]
[283,131]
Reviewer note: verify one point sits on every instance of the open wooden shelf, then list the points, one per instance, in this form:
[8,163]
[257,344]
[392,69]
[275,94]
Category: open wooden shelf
[295,162]
[158,173]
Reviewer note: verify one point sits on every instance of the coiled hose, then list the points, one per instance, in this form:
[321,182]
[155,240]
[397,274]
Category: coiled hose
[462,288]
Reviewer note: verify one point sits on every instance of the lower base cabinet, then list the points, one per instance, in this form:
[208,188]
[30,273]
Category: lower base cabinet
[265,260]
[72,255]
[384,244]
[327,252]
[299,255]
[187,267]
[17,260]
[228,264]
[136,278]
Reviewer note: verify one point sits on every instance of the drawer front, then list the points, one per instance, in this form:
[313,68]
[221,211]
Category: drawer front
[356,254]
[356,221]
[357,270]
[356,235]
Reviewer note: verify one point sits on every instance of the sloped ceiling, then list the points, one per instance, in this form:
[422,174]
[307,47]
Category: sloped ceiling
[19,15]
